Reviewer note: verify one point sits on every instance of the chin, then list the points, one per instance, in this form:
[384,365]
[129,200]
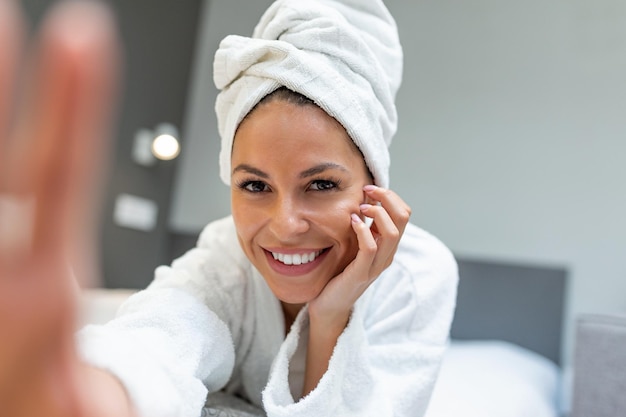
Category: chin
[296,296]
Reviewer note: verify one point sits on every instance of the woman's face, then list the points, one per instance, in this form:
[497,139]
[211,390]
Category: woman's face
[296,179]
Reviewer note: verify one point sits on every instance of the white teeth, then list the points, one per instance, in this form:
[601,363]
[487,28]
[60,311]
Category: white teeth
[297,258]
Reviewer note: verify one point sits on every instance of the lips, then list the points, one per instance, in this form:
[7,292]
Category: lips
[295,263]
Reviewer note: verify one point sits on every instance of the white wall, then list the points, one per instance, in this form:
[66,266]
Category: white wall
[512,134]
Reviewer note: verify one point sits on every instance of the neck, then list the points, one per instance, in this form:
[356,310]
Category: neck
[290,311]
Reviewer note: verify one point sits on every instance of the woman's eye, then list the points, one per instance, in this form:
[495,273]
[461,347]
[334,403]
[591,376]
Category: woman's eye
[254,186]
[323,185]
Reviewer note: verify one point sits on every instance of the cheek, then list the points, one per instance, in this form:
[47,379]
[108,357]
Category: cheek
[348,242]
[336,211]
[245,221]
[335,219]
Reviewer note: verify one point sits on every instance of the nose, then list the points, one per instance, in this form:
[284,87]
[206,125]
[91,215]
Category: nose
[288,219]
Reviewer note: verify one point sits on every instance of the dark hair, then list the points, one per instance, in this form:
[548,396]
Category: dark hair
[287,95]
[282,94]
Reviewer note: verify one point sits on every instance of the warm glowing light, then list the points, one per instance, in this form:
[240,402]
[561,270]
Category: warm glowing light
[165,147]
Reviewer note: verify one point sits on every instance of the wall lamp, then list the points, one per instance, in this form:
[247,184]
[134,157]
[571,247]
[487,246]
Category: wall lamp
[162,143]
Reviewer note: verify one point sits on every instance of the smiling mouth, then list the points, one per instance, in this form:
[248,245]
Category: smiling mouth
[297,258]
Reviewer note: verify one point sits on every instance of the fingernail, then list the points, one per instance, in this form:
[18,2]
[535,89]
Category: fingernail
[369,188]
[365,207]
[355,218]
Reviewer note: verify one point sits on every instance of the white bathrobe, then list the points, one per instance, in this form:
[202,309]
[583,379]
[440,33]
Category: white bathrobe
[209,322]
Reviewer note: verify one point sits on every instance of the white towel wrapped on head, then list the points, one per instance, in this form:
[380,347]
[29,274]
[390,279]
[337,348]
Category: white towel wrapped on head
[344,55]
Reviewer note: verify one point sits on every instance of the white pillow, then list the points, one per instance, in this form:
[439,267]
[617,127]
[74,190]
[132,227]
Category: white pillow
[495,379]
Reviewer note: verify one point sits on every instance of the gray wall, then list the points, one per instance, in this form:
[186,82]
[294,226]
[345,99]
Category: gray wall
[511,141]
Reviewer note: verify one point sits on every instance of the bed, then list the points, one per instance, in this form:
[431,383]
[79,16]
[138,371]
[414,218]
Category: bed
[505,348]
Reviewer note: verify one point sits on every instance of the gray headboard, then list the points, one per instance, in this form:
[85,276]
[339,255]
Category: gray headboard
[522,304]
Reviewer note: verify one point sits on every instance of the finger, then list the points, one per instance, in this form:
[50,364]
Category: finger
[398,210]
[11,40]
[14,232]
[383,227]
[386,235]
[87,31]
[368,249]
[64,124]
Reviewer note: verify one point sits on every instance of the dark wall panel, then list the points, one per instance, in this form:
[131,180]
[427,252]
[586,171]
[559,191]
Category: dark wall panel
[159,40]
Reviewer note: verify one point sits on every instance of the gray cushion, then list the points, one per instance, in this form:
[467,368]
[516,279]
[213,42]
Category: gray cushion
[600,367]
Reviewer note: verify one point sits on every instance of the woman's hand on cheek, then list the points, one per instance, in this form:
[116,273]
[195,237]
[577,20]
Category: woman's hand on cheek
[330,311]
[377,247]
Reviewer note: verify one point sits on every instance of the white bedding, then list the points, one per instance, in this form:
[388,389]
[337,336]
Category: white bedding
[495,379]
[477,378]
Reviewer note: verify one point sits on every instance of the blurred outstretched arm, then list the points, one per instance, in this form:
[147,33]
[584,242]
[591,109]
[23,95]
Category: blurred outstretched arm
[56,107]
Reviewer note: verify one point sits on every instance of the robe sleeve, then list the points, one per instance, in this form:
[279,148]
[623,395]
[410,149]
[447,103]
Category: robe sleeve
[171,343]
[386,361]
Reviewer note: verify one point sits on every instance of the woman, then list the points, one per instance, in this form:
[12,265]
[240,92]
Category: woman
[294,303]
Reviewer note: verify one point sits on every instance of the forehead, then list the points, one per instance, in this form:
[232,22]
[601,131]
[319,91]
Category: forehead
[280,128]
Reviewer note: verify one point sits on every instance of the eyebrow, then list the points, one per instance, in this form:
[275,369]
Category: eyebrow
[251,170]
[317,169]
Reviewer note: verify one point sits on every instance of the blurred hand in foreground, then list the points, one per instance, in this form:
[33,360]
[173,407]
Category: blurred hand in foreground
[56,103]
